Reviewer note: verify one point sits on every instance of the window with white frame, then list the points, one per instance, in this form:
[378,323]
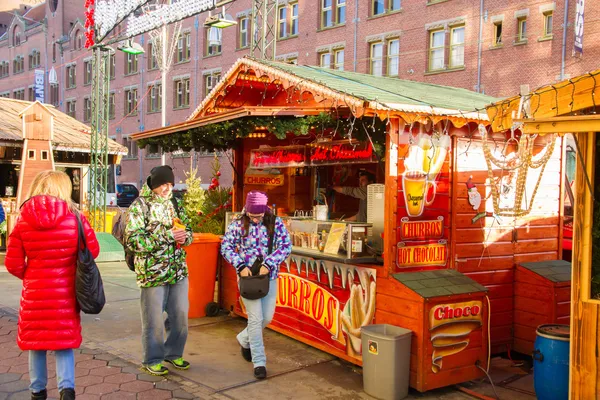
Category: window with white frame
[376,64]
[521,30]
[243,32]
[131,64]
[282,22]
[294,23]
[87,72]
[437,43]
[325,60]
[393,57]
[214,40]
[457,46]
[71,76]
[155,98]
[287,21]
[333,13]
[72,108]
[152,61]
[182,93]
[132,148]
[184,43]
[112,104]
[130,101]
[210,81]
[497,33]
[548,17]
[338,59]
[87,109]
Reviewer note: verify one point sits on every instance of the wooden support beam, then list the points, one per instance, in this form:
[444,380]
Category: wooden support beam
[570,124]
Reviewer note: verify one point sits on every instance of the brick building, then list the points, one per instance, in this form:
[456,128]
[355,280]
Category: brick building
[494,46]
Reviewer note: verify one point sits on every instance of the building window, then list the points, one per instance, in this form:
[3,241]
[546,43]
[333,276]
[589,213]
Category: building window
[34,59]
[78,40]
[71,108]
[17,38]
[521,30]
[183,47]
[497,33]
[243,30]
[111,106]
[18,65]
[155,101]
[376,59]
[325,60]
[214,38]
[132,149]
[292,60]
[395,5]
[548,24]
[338,56]
[152,61]
[282,30]
[87,109]
[393,58]
[4,65]
[153,151]
[30,93]
[130,102]
[5,95]
[457,47]
[131,64]
[294,19]
[53,52]
[71,77]
[87,72]
[210,81]
[54,93]
[333,12]
[112,66]
[378,7]
[182,93]
[437,41]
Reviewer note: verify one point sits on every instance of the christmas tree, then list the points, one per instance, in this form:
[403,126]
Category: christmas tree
[207,208]
[193,198]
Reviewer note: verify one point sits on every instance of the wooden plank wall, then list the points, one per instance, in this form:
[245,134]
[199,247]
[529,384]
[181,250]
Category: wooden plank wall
[585,322]
[488,250]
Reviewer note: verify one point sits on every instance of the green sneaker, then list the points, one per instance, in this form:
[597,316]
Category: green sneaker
[156,369]
[179,363]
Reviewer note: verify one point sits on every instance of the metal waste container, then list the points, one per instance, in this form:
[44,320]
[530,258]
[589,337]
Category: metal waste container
[386,361]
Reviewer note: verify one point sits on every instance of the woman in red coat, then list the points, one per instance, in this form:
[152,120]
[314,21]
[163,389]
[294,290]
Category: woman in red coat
[42,251]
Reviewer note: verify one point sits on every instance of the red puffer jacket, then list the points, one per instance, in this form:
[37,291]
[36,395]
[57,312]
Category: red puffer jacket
[42,251]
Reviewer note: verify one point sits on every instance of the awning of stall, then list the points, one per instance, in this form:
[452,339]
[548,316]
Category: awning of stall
[69,133]
[551,108]
[362,94]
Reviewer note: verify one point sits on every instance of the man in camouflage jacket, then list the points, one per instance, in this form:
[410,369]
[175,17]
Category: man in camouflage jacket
[161,271]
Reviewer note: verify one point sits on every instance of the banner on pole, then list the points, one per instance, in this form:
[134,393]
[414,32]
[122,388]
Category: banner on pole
[578,45]
[39,85]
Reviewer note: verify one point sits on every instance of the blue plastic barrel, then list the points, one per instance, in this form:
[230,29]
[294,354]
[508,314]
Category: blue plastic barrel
[551,362]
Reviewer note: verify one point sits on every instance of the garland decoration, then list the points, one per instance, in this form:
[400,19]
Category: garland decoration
[223,136]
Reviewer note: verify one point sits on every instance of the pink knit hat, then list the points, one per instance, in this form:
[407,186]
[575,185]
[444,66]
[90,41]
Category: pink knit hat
[256,202]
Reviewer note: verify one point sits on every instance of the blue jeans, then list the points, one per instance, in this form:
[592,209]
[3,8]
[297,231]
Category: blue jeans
[38,371]
[260,313]
[172,299]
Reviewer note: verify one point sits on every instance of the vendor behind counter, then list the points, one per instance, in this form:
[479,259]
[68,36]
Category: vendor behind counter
[360,192]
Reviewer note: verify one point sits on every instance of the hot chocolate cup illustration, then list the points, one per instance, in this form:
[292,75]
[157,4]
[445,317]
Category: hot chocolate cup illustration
[415,186]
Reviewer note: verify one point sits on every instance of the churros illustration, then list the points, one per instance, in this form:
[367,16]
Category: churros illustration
[428,154]
[450,328]
[358,312]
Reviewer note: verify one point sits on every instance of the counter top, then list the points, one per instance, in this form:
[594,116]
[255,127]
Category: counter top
[316,254]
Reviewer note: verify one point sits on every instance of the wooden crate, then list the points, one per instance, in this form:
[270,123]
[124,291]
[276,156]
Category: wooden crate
[413,300]
[542,296]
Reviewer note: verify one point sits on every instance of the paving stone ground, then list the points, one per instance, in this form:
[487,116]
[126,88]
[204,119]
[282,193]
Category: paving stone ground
[98,375]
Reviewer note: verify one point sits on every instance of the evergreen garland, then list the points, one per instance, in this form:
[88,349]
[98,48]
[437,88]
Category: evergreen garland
[224,135]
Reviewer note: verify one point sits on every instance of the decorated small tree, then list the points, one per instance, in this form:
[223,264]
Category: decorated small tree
[207,208]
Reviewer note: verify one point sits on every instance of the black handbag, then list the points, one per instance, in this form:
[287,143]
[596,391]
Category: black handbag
[88,282]
[256,286]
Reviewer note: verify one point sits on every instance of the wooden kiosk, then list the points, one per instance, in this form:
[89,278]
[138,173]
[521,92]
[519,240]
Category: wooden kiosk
[445,265]
[570,107]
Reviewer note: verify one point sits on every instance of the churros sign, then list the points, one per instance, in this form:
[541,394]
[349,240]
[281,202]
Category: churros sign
[421,230]
[450,326]
[427,254]
[311,300]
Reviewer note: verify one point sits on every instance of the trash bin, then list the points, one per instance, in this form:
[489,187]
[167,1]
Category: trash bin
[551,362]
[202,258]
[386,361]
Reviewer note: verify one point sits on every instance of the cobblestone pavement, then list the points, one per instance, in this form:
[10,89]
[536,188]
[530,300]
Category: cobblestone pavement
[98,374]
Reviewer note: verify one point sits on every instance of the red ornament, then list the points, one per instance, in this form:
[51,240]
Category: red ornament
[89,18]
[89,38]
[218,173]
[89,3]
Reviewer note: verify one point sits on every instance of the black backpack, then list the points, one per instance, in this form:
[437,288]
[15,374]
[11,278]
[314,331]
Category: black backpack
[118,230]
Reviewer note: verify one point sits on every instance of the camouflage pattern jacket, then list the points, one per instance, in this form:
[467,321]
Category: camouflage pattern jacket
[159,260]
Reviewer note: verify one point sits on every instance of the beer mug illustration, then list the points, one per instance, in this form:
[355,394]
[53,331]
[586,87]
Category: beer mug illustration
[415,187]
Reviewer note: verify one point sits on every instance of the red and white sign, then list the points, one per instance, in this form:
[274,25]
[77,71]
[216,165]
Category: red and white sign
[264,180]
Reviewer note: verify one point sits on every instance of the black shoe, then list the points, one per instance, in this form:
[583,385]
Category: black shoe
[43,395]
[260,372]
[247,354]
[67,394]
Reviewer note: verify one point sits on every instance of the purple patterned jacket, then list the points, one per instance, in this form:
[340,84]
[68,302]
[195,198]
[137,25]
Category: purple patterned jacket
[241,251]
